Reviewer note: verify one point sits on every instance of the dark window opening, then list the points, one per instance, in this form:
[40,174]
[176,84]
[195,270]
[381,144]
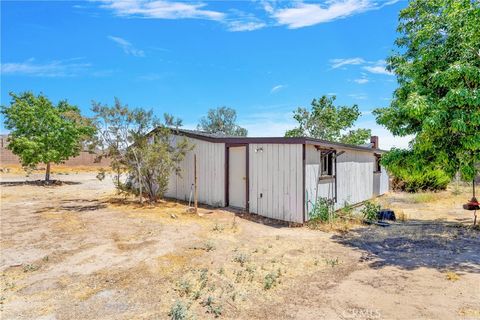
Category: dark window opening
[378,166]
[327,164]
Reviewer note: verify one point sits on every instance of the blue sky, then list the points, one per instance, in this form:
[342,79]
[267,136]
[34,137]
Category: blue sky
[263,58]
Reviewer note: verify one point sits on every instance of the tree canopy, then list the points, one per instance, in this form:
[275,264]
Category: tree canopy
[437,65]
[140,146]
[222,121]
[329,122]
[41,132]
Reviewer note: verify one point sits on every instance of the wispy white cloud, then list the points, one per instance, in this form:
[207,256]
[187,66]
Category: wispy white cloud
[337,63]
[238,20]
[277,88]
[235,20]
[308,14]
[240,25]
[378,67]
[55,68]
[127,47]
[378,70]
[361,80]
[294,14]
[161,9]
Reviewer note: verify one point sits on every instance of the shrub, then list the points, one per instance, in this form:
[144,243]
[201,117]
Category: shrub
[411,174]
[429,180]
[271,279]
[321,210]
[178,311]
[370,211]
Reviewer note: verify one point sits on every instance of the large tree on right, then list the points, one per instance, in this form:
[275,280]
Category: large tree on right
[437,64]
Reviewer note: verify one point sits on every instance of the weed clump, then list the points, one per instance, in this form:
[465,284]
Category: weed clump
[332,262]
[212,307]
[30,267]
[271,279]
[209,246]
[241,258]
[179,311]
[217,227]
[184,287]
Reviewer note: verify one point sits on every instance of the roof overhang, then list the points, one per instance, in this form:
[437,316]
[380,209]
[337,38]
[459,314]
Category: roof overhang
[273,140]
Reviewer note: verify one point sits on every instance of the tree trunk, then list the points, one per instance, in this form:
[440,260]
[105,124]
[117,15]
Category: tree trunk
[47,173]
[141,185]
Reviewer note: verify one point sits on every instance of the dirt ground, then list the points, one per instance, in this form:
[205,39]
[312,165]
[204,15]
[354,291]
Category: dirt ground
[76,251]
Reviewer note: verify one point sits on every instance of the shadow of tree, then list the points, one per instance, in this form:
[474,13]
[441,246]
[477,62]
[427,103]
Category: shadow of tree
[40,183]
[76,205]
[415,244]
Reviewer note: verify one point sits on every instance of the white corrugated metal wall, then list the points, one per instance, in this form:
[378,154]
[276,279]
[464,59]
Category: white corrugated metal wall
[276,178]
[276,181]
[210,173]
[356,181]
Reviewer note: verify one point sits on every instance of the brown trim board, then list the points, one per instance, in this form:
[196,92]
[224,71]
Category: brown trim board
[304,165]
[273,140]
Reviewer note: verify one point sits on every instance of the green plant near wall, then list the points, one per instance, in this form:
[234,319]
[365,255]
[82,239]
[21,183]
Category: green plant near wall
[322,211]
[370,211]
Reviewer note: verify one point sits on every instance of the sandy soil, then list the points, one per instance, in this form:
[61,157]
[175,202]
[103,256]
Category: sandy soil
[77,251]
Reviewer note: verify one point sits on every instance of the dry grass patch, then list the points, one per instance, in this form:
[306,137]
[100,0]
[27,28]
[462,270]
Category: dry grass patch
[166,211]
[452,276]
[340,225]
[424,197]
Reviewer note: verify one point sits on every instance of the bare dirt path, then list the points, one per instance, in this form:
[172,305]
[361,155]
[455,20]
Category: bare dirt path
[71,252]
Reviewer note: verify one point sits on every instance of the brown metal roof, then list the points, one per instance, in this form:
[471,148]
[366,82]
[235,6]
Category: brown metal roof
[218,138]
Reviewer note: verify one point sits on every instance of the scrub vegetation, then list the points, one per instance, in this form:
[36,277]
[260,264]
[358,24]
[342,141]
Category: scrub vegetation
[81,251]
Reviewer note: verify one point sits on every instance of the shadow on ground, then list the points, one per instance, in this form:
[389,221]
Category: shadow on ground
[258,218]
[76,205]
[415,244]
[40,183]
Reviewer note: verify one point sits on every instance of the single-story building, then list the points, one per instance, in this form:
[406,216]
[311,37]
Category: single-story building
[277,177]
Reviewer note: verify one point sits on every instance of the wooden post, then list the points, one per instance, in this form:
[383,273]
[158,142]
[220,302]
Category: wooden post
[47,173]
[195,197]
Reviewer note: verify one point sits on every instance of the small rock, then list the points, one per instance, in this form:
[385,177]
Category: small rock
[173,216]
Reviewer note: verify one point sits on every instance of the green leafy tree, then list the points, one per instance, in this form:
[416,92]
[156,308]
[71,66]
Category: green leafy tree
[437,65]
[41,132]
[139,147]
[222,121]
[329,122]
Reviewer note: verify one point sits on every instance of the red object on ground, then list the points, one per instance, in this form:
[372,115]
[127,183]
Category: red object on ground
[472,204]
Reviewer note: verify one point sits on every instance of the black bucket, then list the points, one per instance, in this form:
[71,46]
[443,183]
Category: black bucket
[386,214]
